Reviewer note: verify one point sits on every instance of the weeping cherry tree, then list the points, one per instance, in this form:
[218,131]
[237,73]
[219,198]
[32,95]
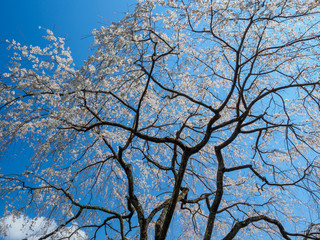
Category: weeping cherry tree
[192,119]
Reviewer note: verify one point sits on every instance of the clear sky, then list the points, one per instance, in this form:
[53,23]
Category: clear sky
[73,19]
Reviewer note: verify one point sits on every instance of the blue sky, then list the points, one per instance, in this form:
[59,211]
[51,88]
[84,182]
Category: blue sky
[72,19]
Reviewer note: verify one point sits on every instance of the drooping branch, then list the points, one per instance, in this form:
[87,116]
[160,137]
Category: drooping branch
[286,235]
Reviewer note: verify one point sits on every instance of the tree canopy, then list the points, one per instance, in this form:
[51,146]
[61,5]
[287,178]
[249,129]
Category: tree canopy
[192,119]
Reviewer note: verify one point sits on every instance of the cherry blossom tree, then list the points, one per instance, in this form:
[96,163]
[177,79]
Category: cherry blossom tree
[192,119]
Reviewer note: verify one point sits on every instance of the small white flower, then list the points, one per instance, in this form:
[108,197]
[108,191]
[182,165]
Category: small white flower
[92,69]
[49,32]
